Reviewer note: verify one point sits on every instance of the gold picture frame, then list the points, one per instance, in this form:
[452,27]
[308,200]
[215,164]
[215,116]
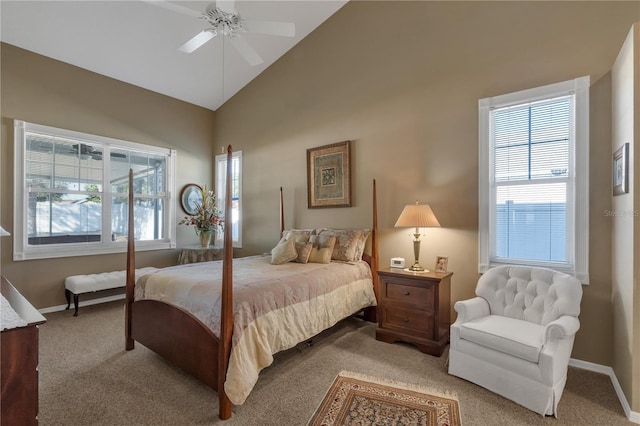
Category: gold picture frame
[329,175]
[621,170]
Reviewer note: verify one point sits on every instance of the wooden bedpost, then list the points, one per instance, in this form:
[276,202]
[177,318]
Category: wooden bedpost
[371,314]
[131,269]
[281,214]
[226,315]
[374,241]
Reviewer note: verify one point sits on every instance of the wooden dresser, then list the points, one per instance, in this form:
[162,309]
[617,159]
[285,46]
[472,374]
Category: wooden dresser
[414,308]
[19,356]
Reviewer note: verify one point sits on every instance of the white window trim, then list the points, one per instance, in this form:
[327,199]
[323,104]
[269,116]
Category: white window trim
[220,196]
[579,86]
[20,190]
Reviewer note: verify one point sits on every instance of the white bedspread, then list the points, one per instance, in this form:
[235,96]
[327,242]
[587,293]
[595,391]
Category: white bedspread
[275,306]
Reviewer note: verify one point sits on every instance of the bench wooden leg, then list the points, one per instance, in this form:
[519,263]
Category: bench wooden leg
[76,298]
[67,294]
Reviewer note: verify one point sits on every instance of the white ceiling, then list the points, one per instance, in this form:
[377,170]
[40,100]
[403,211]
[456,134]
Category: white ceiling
[136,42]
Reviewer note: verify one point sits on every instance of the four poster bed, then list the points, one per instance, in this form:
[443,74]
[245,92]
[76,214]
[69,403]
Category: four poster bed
[224,332]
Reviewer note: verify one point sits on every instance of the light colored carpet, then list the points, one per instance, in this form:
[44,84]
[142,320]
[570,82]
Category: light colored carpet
[87,378]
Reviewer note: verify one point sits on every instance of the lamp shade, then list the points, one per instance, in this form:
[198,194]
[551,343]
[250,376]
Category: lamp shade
[3,232]
[417,216]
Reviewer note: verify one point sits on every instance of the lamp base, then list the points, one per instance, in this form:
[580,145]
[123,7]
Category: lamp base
[416,268]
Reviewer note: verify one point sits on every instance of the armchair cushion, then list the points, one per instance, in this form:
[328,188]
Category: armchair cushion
[537,295]
[522,339]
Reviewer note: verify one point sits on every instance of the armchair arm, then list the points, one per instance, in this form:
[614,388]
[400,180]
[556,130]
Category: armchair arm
[563,327]
[471,308]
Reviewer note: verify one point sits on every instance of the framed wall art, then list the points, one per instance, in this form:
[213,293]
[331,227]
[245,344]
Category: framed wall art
[621,170]
[190,198]
[329,175]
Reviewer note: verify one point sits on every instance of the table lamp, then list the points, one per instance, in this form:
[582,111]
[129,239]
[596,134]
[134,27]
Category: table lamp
[417,216]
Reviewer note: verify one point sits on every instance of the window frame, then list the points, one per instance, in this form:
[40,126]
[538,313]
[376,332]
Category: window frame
[221,159]
[23,251]
[578,190]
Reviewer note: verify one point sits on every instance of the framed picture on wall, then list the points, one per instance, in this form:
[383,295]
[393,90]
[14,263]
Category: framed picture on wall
[329,175]
[621,170]
[191,198]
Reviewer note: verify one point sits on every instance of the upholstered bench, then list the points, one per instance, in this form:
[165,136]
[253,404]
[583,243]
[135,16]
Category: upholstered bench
[79,284]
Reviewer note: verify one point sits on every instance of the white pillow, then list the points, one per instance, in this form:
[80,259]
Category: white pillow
[283,252]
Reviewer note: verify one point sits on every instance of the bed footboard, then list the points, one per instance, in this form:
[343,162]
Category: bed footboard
[177,336]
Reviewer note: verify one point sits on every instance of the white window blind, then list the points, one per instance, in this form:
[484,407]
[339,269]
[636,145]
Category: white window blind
[533,174]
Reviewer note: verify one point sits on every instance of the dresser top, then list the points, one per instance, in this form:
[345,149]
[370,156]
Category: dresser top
[425,274]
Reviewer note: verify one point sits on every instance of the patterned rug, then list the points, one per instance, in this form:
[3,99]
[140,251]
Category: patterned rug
[354,399]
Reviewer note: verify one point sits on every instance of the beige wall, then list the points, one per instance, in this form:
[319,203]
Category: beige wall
[44,91]
[402,81]
[626,235]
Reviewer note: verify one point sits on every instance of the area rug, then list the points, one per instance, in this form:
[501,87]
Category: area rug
[354,399]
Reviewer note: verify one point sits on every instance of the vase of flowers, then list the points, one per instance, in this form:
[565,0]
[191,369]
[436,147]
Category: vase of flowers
[207,218]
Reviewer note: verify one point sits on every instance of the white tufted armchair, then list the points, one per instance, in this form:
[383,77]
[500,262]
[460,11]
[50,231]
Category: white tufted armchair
[516,337]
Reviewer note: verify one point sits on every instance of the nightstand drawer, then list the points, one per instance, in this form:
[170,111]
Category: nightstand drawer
[408,319]
[419,296]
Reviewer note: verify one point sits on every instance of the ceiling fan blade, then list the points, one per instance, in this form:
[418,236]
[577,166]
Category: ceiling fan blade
[285,29]
[227,6]
[245,49]
[197,41]
[174,8]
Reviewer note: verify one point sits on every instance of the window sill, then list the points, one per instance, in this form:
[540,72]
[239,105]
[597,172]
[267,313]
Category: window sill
[50,251]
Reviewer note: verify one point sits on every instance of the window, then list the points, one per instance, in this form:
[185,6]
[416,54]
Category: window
[533,174]
[71,191]
[236,197]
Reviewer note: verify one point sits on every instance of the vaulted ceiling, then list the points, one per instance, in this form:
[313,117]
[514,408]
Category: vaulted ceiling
[137,41]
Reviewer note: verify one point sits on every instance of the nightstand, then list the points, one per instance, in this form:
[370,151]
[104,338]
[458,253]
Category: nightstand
[414,308]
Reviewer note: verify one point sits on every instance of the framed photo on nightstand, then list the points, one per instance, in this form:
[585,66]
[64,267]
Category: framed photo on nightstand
[441,264]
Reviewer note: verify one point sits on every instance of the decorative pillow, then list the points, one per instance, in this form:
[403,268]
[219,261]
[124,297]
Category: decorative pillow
[298,235]
[347,240]
[362,242]
[322,248]
[283,252]
[304,250]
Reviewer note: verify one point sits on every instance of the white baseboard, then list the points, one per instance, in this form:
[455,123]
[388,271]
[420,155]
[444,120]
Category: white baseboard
[82,303]
[633,416]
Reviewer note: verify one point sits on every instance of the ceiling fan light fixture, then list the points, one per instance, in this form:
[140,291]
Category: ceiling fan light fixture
[223,18]
[228,23]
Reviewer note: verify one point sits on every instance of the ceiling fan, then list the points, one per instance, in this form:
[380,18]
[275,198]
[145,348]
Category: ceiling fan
[225,19]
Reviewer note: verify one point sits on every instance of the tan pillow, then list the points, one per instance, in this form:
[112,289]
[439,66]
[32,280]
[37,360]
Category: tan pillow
[304,250]
[298,235]
[362,242]
[283,252]
[346,247]
[322,248]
